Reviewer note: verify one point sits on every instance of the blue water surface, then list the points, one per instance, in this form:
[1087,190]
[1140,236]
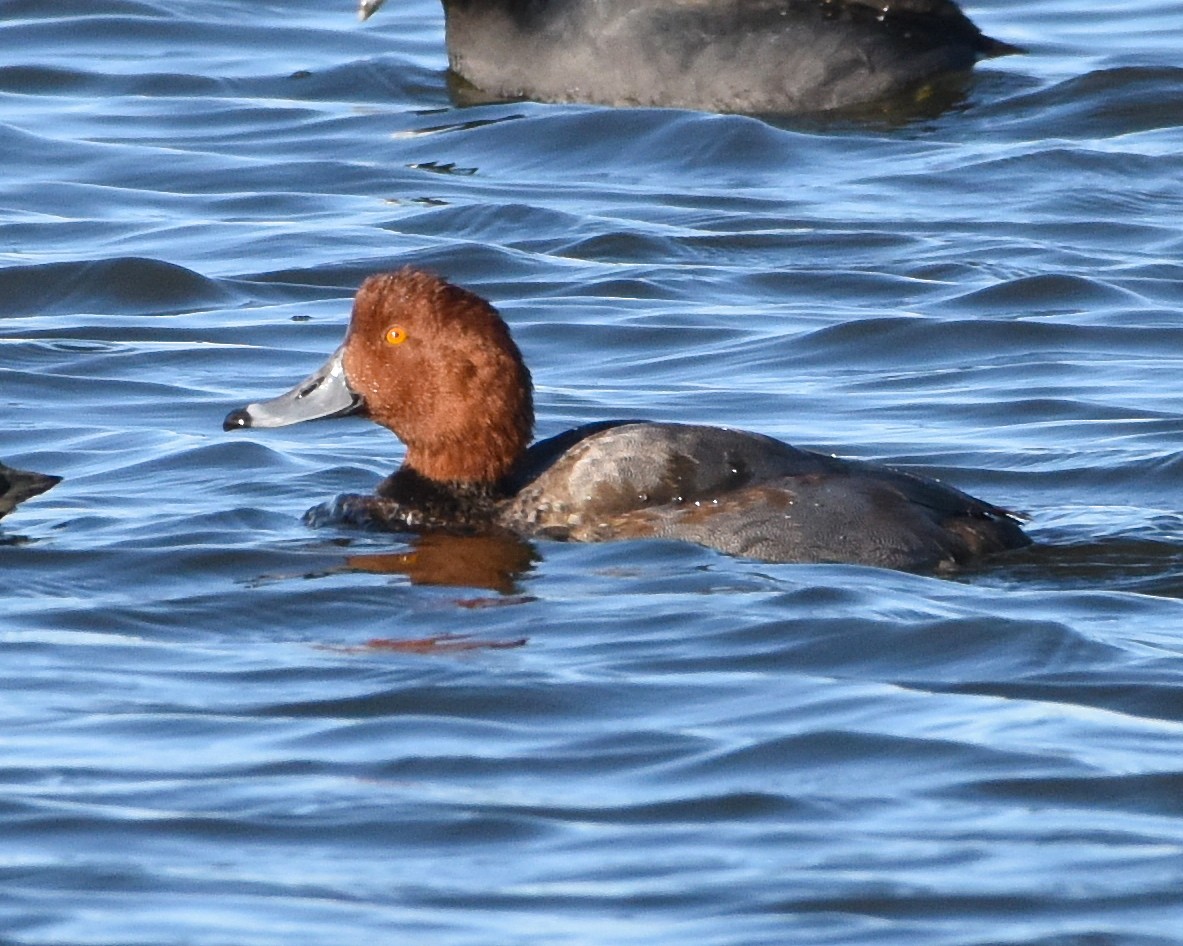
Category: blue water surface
[220,726]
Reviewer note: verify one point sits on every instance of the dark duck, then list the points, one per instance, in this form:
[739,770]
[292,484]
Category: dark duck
[18,485]
[436,365]
[749,56]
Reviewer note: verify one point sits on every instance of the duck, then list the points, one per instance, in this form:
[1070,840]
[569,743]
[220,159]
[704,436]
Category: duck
[744,56]
[436,364]
[18,485]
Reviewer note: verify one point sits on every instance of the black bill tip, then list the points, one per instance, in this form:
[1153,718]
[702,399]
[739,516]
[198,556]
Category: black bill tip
[236,420]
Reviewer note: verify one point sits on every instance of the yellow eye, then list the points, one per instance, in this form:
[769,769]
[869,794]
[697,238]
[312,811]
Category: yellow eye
[395,335]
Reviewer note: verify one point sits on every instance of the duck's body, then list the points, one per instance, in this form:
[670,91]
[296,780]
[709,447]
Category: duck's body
[747,494]
[18,485]
[750,56]
[437,366]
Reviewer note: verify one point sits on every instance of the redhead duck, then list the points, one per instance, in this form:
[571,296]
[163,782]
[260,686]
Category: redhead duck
[18,485]
[436,365]
[750,56]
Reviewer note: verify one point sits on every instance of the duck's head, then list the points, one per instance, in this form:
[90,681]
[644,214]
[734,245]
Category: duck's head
[433,363]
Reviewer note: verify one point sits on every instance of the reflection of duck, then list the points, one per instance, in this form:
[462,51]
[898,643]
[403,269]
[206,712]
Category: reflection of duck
[18,485]
[771,56]
[436,365]
[496,561]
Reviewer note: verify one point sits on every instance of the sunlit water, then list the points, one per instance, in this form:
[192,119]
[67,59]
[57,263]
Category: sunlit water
[222,726]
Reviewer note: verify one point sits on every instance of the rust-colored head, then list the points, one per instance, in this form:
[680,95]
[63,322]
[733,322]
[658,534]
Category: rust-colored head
[433,363]
[436,364]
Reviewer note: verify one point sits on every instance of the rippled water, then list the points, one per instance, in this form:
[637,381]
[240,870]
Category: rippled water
[221,726]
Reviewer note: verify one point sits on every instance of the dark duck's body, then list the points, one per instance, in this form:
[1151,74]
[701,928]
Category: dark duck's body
[437,366]
[751,56]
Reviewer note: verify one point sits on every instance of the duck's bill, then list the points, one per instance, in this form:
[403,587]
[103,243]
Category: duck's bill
[367,8]
[325,393]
